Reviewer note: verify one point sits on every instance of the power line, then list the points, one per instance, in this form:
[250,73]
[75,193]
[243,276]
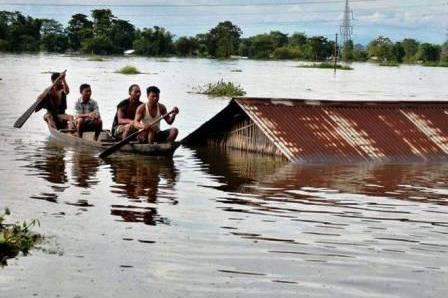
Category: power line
[184,5]
[273,13]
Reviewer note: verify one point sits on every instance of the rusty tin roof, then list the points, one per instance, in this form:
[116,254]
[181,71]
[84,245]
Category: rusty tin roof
[343,131]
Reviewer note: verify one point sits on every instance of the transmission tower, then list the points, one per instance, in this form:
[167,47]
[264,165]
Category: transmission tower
[445,48]
[346,29]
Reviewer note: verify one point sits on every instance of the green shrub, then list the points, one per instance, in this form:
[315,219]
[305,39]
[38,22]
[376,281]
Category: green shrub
[435,64]
[389,63]
[15,238]
[284,53]
[128,70]
[326,65]
[95,58]
[221,88]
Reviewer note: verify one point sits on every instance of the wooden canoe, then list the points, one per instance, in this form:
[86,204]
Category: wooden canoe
[105,140]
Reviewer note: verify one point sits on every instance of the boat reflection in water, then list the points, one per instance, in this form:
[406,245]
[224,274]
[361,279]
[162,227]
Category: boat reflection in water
[48,163]
[144,183]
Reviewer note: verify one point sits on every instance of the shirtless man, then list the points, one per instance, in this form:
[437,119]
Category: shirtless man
[124,118]
[56,103]
[148,113]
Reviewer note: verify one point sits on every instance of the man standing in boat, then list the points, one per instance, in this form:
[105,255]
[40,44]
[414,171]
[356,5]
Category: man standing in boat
[150,111]
[124,118]
[56,102]
[87,113]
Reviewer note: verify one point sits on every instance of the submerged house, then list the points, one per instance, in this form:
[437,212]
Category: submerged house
[330,131]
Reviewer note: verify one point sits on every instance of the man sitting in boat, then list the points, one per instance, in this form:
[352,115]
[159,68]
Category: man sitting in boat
[151,111]
[56,103]
[124,117]
[87,113]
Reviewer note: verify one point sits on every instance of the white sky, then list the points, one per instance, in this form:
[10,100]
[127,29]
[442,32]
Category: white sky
[397,19]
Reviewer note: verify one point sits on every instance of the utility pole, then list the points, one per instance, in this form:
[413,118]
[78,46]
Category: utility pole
[336,54]
[346,29]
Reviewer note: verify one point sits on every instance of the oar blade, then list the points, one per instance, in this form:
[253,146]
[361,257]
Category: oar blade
[22,119]
[111,149]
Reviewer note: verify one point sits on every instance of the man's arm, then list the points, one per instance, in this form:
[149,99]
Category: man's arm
[139,117]
[122,120]
[66,87]
[171,117]
[79,112]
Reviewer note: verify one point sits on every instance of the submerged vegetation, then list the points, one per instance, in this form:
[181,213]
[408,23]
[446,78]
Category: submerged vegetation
[128,70]
[436,64]
[15,238]
[389,63]
[220,88]
[326,65]
[102,33]
[95,58]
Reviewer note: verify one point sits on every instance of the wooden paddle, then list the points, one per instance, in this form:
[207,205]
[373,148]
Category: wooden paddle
[126,140]
[22,119]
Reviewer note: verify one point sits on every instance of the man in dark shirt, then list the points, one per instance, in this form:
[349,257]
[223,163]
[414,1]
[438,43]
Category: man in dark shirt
[124,118]
[56,103]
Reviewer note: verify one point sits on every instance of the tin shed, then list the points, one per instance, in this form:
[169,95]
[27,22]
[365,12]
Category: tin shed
[330,131]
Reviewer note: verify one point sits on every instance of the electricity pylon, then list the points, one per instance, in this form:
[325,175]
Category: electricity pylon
[346,30]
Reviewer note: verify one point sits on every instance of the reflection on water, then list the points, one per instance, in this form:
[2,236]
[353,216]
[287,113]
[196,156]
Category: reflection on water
[85,165]
[143,180]
[48,161]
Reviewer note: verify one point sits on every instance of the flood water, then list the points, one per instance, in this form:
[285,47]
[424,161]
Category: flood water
[210,223]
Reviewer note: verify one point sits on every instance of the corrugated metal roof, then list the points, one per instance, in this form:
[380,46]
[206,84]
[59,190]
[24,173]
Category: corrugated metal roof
[346,131]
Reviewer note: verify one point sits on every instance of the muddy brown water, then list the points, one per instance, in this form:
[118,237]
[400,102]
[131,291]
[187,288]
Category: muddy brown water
[210,223]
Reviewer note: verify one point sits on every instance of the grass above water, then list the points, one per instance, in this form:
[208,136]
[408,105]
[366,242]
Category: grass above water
[220,88]
[326,65]
[389,63]
[95,58]
[128,70]
[435,64]
[15,238]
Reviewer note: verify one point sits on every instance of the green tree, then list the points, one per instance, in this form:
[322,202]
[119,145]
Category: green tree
[381,48]
[279,39]
[186,46]
[428,52]
[398,52]
[122,35]
[319,48]
[100,45]
[297,39]
[360,53]
[444,53]
[79,29]
[261,46]
[23,33]
[53,37]
[283,53]
[410,47]
[223,40]
[154,42]
[102,21]
[347,51]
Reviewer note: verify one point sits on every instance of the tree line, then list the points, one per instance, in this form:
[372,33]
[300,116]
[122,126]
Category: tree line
[104,34]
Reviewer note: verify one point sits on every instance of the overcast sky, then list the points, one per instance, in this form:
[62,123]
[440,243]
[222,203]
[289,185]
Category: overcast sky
[421,19]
